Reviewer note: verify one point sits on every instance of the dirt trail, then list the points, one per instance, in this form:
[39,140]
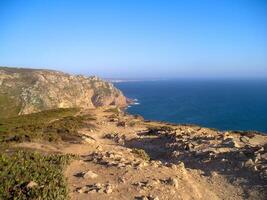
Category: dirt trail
[186,162]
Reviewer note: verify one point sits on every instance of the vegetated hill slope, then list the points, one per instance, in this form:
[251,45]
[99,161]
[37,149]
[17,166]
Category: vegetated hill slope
[24,91]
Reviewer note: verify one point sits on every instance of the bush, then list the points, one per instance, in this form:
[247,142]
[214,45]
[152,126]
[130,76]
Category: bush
[20,168]
[50,125]
[141,154]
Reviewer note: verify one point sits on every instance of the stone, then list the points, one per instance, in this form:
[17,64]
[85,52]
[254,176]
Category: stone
[229,142]
[108,190]
[189,147]
[56,90]
[227,135]
[172,166]
[244,139]
[122,124]
[32,184]
[82,189]
[263,156]
[143,198]
[90,174]
[249,163]
[172,181]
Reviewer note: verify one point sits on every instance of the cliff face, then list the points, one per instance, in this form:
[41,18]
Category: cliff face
[24,91]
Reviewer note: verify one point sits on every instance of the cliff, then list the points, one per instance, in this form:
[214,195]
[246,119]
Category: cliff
[24,91]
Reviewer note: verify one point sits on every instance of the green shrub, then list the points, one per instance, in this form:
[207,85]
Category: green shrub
[50,125]
[20,168]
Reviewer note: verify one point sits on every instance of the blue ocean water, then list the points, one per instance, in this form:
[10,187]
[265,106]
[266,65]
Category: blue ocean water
[221,104]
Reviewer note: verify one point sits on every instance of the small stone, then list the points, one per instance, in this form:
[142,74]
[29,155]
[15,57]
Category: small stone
[213,174]
[81,189]
[171,165]
[189,147]
[144,198]
[121,180]
[172,181]
[249,163]
[108,190]
[229,142]
[264,156]
[90,174]
[244,139]
[32,184]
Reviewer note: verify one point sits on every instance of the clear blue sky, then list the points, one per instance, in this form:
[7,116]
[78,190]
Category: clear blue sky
[137,38]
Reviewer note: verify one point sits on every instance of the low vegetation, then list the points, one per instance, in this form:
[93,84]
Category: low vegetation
[51,125]
[26,175]
[115,110]
[31,175]
[141,154]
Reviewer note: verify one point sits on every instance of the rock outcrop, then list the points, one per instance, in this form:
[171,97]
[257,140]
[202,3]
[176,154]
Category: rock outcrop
[24,91]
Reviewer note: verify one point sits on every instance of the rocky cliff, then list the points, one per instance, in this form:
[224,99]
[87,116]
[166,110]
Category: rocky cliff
[24,91]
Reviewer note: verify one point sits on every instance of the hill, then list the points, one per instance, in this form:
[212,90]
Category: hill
[24,91]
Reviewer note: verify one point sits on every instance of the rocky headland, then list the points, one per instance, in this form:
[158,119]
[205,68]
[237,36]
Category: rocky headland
[24,91]
[115,155]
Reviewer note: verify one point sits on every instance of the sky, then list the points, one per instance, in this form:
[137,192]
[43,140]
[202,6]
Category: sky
[137,38]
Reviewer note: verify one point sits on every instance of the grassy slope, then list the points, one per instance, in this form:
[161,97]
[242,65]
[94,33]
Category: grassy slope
[50,125]
[18,168]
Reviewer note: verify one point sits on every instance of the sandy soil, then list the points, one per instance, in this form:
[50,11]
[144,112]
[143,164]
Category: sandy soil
[187,162]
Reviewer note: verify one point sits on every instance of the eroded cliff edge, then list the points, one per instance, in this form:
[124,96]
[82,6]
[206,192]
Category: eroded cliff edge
[24,91]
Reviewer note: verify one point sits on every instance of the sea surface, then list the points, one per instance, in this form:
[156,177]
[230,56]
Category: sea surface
[221,104]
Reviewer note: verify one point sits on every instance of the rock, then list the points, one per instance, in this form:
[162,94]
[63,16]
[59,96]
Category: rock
[214,174]
[36,90]
[227,135]
[32,184]
[263,156]
[82,189]
[90,174]
[108,189]
[189,147]
[172,181]
[121,123]
[244,139]
[263,174]
[172,166]
[151,197]
[231,143]
[249,163]
[121,180]
[88,139]
[143,198]
[111,135]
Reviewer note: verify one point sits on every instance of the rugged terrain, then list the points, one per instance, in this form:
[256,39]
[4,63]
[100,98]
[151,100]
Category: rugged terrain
[24,91]
[120,156]
[81,145]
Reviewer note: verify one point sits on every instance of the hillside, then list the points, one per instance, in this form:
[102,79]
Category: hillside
[24,91]
[81,145]
[107,154]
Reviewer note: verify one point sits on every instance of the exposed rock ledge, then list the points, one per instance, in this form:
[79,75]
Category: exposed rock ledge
[24,91]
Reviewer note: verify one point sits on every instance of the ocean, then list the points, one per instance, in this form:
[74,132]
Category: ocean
[220,104]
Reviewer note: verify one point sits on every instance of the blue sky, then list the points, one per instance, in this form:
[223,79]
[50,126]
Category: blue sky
[137,38]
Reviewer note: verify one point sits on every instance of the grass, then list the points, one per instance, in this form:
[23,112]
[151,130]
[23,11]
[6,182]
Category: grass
[115,110]
[20,168]
[51,125]
[8,106]
[141,154]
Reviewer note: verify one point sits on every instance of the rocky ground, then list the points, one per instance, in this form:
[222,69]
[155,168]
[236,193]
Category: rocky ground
[125,157]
